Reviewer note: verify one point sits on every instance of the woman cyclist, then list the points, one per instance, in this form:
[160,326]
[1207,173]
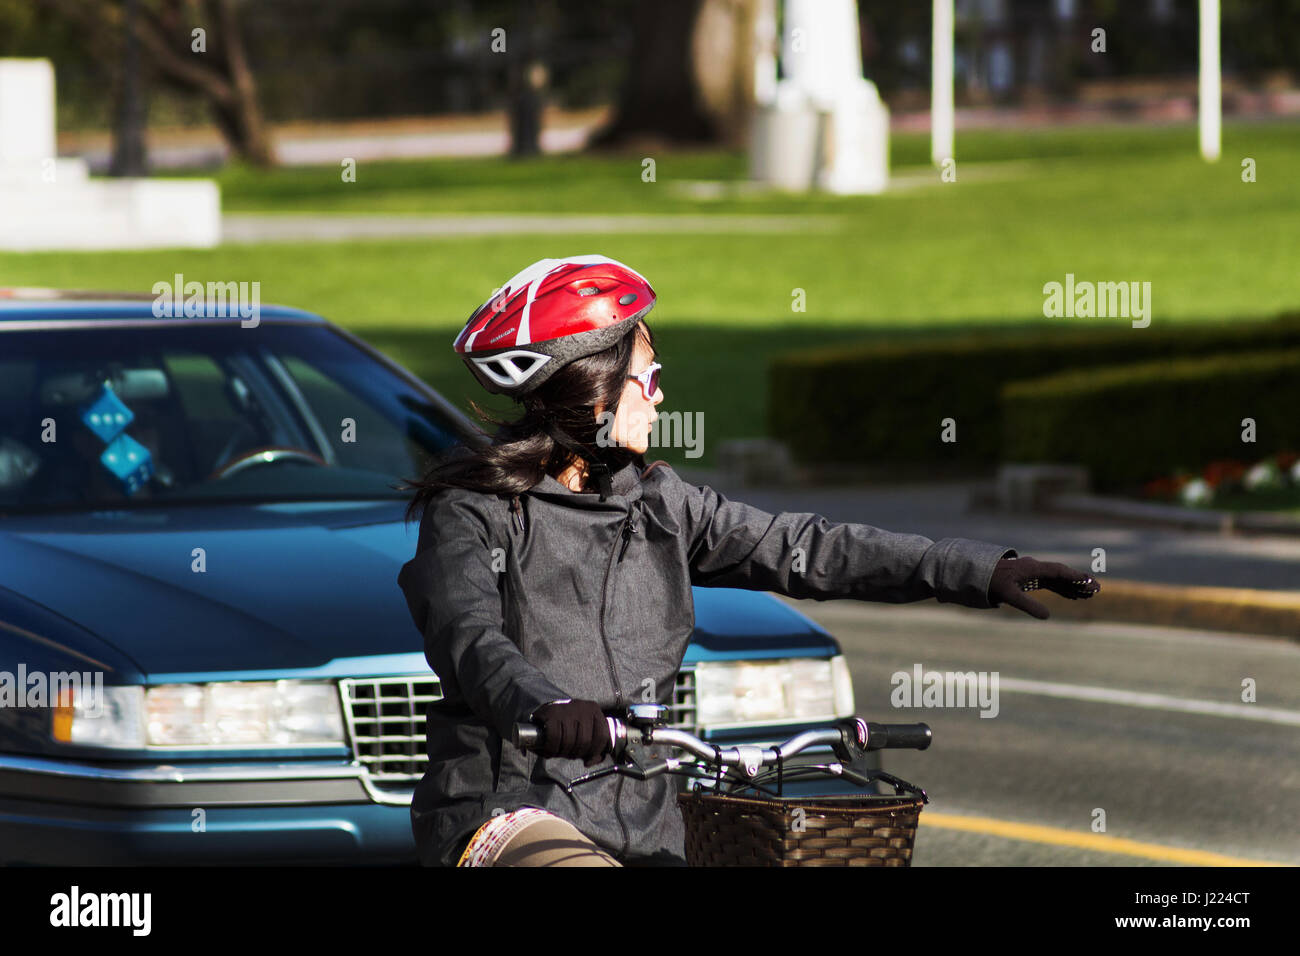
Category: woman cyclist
[552,578]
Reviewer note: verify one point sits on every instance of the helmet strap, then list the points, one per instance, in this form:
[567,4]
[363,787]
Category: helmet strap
[597,468]
[600,471]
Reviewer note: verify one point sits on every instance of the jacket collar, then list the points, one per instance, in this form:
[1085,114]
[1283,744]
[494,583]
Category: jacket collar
[626,483]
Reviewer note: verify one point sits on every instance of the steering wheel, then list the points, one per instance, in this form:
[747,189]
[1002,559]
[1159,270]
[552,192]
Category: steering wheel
[267,455]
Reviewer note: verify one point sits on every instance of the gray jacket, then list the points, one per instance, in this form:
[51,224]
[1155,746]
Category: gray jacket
[567,596]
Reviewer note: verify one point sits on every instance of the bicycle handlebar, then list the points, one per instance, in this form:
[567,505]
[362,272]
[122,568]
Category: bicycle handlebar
[849,738]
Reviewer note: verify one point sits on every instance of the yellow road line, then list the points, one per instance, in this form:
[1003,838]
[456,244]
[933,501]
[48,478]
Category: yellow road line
[1289,600]
[1097,842]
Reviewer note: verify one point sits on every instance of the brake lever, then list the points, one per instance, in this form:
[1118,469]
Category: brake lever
[624,752]
[637,769]
[647,771]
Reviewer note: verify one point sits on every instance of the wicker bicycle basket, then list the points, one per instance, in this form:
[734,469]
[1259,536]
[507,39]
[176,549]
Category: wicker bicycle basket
[868,830]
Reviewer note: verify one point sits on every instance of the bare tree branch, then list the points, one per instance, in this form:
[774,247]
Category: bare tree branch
[224,78]
[183,70]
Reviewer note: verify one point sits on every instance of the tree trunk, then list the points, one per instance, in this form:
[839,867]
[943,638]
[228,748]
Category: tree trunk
[129,158]
[660,100]
[253,140]
[723,47]
[526,78]
[247,140]
[525,112]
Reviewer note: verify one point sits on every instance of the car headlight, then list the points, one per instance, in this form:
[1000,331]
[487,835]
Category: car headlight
[739,693]
[280,713]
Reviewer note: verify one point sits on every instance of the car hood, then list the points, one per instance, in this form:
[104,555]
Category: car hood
[199,591]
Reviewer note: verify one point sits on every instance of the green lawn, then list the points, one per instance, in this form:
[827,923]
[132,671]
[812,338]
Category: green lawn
[1107,204]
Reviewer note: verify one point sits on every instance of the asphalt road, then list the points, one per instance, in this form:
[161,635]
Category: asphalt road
[1020,788]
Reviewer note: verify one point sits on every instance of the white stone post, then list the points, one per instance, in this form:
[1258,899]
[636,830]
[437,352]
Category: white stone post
[52,203]
[1210,108]
[826,125]
[941,107]
[26,112]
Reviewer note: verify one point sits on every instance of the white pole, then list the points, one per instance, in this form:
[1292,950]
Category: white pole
[766,44]
[941,119]
[1211,98]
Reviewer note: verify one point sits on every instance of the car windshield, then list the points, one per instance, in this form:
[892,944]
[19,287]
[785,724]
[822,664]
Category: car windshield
[126,416]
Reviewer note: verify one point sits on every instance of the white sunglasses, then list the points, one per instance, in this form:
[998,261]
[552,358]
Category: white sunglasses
[649,380]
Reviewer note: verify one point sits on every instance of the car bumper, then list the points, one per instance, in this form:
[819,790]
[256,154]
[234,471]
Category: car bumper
[75,814]
[355,834]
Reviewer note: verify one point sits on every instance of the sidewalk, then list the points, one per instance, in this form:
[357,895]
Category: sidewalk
[337,227]
[317,143]
[1154,575]
[303,143]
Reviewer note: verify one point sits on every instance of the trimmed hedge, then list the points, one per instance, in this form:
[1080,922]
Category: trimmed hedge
[883,402]
[1131,423]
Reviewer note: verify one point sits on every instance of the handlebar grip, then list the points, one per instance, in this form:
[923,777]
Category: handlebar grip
[526,736]
[898,736]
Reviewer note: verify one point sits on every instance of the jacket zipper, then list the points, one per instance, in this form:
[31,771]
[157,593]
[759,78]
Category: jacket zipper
[609,655]
[618,798]
[627,531]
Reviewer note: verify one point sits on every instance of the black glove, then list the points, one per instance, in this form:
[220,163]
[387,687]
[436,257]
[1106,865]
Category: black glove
[1014,576]
[574,729]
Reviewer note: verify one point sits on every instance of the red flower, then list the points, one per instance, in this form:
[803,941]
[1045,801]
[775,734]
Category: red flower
[1161,488]
[1223,471]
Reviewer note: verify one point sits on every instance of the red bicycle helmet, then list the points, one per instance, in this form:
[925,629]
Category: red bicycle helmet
[552,313]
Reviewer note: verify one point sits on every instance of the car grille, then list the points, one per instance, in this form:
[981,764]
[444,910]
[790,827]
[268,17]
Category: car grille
[386,725]
[681,713]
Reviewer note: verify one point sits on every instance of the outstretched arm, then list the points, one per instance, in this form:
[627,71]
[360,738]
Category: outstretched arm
[803,555]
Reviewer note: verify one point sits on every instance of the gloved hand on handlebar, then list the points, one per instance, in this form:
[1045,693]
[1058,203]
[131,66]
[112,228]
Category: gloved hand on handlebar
[1014,576]
[574,728]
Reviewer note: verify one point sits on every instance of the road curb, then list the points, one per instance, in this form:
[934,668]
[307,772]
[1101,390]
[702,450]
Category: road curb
[1246,611]
[1224,522]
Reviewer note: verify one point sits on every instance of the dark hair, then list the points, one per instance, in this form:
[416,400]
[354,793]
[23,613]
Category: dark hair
[523,451]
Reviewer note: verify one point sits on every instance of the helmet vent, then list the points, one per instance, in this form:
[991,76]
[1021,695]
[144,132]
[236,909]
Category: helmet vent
[510,369]
[588,290]
[519,366]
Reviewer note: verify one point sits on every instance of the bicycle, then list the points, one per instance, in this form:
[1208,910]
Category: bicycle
[769,829]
